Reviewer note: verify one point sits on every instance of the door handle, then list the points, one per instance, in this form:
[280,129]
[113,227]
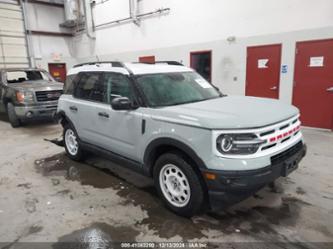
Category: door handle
[330,89]
[73,108]
[273,88]
[103,114]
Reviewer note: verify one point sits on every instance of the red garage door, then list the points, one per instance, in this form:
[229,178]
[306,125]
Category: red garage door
[201,61]
[58,71]
[313,83]
[263,71]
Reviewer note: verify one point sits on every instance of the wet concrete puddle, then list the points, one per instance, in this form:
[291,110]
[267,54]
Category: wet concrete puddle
[98,235]
[257,221]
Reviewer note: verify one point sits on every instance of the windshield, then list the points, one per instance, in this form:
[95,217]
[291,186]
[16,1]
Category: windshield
[27,75]
[168,89]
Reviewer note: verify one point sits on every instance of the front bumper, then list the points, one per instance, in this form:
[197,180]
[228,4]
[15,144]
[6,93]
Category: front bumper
[230,187]
[45,110]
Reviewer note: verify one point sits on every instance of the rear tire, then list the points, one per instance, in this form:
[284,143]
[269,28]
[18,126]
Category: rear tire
[179,185]
[13,119]
[72,144]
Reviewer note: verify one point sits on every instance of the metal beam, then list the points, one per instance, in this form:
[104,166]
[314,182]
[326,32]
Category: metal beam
[89,19]
[130,19]
[14,63]
[48,33]
[12,36]
[11,18]
[3,8]
[59,5]
[13,2]
[28,40]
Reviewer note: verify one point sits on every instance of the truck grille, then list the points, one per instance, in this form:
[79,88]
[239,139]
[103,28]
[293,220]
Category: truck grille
[48,95]
[286,154]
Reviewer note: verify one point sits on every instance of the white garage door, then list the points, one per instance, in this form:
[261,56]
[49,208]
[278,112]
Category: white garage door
[13,49]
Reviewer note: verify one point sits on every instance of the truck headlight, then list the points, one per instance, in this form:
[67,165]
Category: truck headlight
[238,144]
[24,97]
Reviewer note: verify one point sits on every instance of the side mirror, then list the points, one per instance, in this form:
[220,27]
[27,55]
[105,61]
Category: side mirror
[121,103]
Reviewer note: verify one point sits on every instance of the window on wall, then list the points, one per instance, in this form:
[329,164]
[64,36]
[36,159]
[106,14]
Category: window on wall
[201,62]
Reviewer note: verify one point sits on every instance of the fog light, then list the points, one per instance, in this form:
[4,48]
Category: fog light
[29,114]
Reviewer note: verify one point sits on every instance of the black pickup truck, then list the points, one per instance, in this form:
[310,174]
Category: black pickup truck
[27,94]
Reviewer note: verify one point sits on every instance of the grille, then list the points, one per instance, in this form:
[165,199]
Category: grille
[267,133]
[268,147]
[283,134]
[286,154]
[48,95]
[284,127]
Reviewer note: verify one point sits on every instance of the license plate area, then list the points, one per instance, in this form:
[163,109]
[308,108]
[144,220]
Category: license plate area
[291,164]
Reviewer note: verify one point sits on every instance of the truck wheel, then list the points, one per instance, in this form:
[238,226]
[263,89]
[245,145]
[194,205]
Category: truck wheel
[13,119]
[72,145]
[179,185]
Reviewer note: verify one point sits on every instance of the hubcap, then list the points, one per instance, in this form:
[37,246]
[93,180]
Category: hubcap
[71,142]
[174,185]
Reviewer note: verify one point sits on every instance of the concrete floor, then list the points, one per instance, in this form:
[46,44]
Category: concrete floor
[45,197]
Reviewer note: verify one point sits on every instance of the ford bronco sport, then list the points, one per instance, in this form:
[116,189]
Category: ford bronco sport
[202,148]
[27,94]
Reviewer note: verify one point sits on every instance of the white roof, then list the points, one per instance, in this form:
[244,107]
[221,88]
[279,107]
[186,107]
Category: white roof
[135,68]
[103,67]
[141,68]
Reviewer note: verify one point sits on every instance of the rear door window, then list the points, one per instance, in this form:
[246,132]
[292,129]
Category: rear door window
[90,87]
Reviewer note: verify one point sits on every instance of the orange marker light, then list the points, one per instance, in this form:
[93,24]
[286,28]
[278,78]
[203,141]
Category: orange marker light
[20,97]
[210,176]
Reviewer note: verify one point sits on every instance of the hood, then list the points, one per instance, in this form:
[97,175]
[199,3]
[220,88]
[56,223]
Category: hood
[230,112]
[39,85]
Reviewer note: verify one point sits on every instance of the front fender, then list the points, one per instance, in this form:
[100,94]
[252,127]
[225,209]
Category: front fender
[151,149]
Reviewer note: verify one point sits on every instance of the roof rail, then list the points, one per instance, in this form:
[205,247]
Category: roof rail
[113,63]
[174,63]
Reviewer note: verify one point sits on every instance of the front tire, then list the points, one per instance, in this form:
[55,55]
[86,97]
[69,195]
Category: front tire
[179,185]
[13,119]
[71,142]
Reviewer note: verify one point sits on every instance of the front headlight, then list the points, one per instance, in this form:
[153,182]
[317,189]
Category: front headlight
[25,97]
[238,144]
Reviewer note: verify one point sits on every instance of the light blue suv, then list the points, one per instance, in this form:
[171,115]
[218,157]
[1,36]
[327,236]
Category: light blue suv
[202,148]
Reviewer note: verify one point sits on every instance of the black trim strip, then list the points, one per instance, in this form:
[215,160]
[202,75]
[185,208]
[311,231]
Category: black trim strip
[122,161]
[143,126]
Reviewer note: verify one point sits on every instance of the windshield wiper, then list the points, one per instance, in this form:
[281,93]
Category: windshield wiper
[193,101]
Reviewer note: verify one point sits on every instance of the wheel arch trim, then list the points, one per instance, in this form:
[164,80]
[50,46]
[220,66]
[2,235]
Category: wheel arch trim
[60,116]
[149,154]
